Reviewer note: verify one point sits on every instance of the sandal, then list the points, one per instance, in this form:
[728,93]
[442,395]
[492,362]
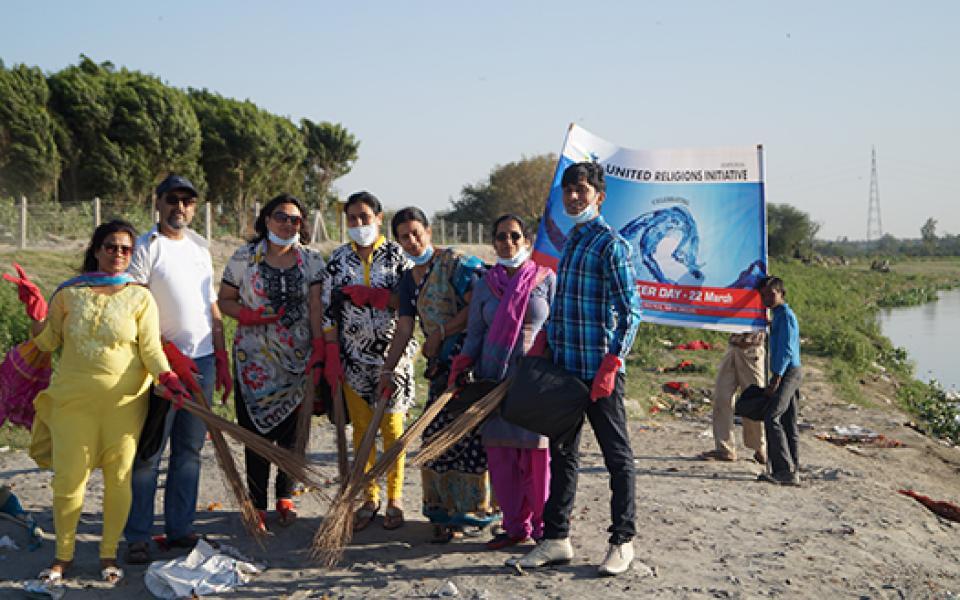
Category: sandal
[365,515]
[287,511]
[719,455]
[393,518]
[138,553]
[111,574]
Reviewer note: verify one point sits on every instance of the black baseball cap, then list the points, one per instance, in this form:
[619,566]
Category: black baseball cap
[175,182]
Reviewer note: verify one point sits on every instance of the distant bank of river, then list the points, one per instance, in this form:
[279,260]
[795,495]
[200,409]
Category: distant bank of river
[931,335]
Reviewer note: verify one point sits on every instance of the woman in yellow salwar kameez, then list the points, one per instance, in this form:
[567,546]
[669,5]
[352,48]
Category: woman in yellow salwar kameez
[91,414]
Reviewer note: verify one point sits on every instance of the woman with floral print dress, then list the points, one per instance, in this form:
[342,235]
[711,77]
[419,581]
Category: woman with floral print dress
[271,286]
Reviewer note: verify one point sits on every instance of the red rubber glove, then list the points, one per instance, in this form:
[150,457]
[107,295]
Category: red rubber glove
[332,370]
[605,378]
[224,379]
[249,316]
[539,345]
[458,365]
[380,298]
[183,366]
[172,389]
[358,294]
[29,294]
[315,362]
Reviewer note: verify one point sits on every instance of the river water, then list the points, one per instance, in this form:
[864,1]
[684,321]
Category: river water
[931,335]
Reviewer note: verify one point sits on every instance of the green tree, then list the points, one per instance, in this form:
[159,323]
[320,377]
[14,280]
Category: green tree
[331,152]
[929,235]
[29,159]
[121,131]
[520,187]
[790,231]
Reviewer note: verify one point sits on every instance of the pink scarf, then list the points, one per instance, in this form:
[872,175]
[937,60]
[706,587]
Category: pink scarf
[514,294]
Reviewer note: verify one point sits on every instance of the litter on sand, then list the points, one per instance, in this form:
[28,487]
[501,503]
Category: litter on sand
[942,508]
[204,571]
[843,435]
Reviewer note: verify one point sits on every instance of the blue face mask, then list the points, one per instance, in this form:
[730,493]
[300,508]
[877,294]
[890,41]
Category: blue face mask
[516,260]
[583,216]
[276,239]
[423,258]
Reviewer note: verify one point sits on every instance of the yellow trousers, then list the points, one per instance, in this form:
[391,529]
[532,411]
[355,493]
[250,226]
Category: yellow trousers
[391,428]
[83,440]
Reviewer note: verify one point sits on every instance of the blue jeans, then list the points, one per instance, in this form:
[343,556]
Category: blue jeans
[186,434]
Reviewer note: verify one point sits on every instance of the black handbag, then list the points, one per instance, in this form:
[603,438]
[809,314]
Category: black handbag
[546,399]
[752,403]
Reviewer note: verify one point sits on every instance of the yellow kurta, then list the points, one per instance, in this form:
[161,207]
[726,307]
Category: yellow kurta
[92,413]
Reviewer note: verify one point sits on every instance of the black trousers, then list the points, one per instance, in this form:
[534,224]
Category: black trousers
[258,468]
[608,418]
[780,424]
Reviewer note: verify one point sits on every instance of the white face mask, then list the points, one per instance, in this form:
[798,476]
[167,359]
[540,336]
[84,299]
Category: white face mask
[364,235]
[276,239]
[516,260]
[423,258]
[585,215]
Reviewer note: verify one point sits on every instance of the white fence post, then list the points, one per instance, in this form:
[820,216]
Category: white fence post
[96,212]
[23,222]
[442,237]
[455,239]
[316,225]
[208,220]
[479,233]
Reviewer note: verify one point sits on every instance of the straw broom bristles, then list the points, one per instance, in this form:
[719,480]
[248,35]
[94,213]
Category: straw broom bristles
[292,464]
[337,528]
[340,423]
[228,469]
[444,439]
[302,436]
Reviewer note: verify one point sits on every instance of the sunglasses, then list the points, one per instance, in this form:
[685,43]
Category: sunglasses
[282,217]
[174,200]
[513,235]
[121,249]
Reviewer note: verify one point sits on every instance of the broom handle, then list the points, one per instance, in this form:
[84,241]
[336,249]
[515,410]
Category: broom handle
[340,422]
[369,438]
[305,416]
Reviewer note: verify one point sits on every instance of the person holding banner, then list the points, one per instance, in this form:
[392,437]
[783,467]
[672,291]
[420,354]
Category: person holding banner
[507,311]
[783,389]
[593,322]
[91,414]
[272,286]
[438,289]
[741,367]
[360,320]
[174,263]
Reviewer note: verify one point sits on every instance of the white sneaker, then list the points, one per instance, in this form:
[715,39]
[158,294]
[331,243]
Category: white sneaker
[619,557]
[548,552]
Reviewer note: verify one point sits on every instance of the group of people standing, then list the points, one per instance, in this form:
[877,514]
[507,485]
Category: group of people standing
[146,309]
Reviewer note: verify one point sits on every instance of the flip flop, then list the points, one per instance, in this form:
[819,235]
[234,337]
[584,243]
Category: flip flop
[112,575]
[287,511]
[364,516]
[718,455]
[50,577]
[393,518]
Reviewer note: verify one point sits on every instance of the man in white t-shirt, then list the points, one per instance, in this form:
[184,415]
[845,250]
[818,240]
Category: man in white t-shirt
[174,262]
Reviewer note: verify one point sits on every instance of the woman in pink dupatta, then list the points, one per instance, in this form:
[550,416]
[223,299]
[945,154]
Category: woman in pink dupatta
[507,312]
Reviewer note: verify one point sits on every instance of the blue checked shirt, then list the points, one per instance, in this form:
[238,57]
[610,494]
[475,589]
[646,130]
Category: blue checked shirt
[596,309]
[784,340]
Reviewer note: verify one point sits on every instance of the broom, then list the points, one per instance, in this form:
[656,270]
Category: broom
[444,439]
[337,528]
[340,423]
[305,417]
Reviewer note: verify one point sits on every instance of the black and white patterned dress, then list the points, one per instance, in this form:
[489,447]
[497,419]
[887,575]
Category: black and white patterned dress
[365,332]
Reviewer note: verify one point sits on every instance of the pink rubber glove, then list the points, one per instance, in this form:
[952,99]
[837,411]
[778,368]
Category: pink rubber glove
[29,294]
[458,365]
[172,389]
[249,316]
[379,298]
[224,379]
[359,294]
[606,377]
[183,366]
[332,370]
[317,357]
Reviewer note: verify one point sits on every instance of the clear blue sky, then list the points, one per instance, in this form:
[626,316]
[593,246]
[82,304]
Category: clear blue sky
[439,92]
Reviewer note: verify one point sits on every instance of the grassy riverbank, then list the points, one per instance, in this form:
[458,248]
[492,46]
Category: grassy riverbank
[836,305]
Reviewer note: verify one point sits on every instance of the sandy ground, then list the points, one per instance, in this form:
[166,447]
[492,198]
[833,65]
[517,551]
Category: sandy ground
[708,530]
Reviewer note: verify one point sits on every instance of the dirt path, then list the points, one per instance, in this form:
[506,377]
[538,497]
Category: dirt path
[708,530]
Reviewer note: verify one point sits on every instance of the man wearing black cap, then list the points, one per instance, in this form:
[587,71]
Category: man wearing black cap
[174,262]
